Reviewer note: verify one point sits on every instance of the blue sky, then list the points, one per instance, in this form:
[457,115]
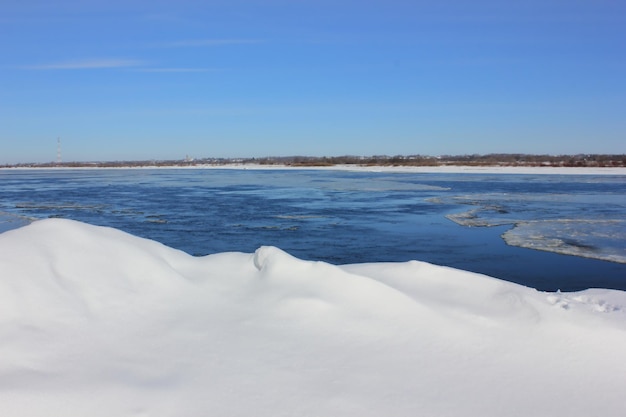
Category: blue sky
[156,79]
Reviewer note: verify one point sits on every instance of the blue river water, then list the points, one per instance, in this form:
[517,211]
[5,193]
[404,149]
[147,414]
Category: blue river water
[550,232]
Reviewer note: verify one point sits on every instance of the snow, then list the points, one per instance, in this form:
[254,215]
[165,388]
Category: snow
[96,322]
[441,169]
[518,170]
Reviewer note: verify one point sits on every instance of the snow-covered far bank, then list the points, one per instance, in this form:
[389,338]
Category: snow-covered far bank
[458,169]
[448,169]
[96,322]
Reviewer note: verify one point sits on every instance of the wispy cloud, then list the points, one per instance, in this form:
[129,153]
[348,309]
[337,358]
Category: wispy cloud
[86,64]
[191,43]
[177,69]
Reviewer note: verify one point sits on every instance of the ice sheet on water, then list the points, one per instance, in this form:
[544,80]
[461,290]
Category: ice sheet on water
[10,221]
[379,185]
[598,239]
[562,223]
[29,205]
[481,217]
[61,209]
[298,217]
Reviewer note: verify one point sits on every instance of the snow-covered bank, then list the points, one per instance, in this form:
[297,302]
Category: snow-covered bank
[448,169]
[459,169]
[97,322]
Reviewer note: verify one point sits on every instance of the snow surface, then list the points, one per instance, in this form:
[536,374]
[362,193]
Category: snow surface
[447,169]
[96,322]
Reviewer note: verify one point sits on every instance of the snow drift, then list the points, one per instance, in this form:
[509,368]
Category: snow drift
[96,322]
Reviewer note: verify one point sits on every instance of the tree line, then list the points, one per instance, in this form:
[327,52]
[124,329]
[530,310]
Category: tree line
[500,159]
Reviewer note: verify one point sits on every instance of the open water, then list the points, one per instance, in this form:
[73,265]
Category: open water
[549,232]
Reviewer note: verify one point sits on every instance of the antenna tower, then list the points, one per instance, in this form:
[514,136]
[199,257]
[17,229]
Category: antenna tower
[58,150]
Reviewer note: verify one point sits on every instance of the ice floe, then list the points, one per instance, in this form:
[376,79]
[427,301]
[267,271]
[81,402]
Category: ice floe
[565,224]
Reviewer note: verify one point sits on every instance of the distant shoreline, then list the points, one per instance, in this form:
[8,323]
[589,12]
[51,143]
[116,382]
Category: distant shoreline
[597,164]
[441,169]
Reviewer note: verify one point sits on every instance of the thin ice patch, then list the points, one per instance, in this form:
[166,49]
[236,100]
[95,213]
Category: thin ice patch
[601,239]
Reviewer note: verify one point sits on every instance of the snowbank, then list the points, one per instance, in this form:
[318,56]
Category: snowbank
[96,322]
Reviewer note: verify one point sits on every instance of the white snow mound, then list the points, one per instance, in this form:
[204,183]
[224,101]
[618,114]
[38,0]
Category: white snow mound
[96,322]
